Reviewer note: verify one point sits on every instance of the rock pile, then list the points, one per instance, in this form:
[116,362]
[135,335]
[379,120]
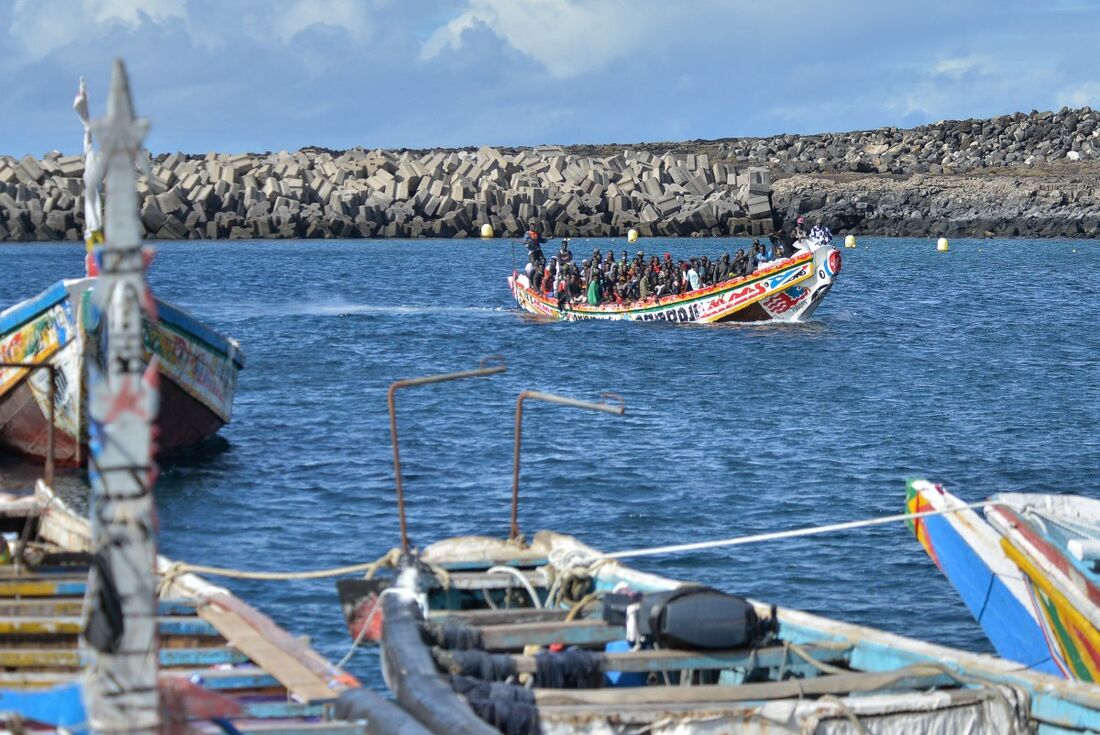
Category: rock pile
[357,193]
[950,146]
[1056,204]
[953,177]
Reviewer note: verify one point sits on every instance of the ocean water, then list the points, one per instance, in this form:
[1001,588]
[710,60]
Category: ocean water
[979,368]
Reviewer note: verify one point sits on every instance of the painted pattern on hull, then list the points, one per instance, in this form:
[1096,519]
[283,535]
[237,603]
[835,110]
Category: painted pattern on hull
[776,290]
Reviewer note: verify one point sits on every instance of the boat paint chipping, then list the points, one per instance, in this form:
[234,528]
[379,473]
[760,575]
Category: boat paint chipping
[207,375]
[788,290]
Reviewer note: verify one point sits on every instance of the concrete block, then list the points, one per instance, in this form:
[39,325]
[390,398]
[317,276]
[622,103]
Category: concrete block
[30,165]
[151,215]
[170,202]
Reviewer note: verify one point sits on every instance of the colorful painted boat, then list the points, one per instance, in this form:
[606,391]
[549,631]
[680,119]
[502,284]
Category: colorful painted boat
[1027,573]
[59,327]
[481,635]
[220,658]
[785,290]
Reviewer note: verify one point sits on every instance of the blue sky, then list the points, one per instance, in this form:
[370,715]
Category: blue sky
[257,75]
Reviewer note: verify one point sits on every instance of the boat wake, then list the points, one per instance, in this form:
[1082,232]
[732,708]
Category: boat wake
[392,310]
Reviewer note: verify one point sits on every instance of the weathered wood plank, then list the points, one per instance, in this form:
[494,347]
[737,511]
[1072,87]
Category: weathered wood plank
[498,617]
[513,637]
[40,587]
[836,684]
[771,657]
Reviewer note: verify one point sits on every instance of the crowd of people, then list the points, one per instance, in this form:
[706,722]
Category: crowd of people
[603,279]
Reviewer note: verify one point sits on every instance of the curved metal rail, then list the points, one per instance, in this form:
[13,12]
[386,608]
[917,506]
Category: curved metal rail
[490,365]
[618,408]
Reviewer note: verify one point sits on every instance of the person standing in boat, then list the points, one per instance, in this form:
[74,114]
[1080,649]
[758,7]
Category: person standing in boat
[534,246]
[821,235]
[800,229]
[565,255]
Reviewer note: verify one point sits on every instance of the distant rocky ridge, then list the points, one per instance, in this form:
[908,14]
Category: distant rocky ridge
[1025,174]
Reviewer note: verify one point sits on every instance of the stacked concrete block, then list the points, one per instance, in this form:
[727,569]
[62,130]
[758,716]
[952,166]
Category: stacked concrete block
[719,187]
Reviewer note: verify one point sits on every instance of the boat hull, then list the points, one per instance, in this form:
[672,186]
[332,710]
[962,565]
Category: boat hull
[968,552]
[425,613]
[59,327]
[1066,598]
[788,290]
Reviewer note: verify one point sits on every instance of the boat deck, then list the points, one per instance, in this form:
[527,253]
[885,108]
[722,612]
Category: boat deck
[218,655]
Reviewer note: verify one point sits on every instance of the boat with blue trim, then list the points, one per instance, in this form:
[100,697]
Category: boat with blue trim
[483,635]
[61,327]
[1027,571]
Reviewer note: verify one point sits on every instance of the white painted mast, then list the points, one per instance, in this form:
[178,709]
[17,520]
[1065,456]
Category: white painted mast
[120,608]
[93,202]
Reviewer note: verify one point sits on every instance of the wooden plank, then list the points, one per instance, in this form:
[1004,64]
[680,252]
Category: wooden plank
[495,581]
[45,625]
[71,625]
[282,710]
[835,684]
[71,606]
[40,658]
[240,677]
[498,617]
[286,728]
[38,587]
[192,657]
[300,680]
[667,659]
[513,637]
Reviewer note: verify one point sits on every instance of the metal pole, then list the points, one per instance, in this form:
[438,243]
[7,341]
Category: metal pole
[51,397]
[619,408]
[484,369]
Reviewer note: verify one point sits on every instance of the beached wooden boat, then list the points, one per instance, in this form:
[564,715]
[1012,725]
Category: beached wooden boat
[1027,572]
[785,290]
[482,635]
[60,327]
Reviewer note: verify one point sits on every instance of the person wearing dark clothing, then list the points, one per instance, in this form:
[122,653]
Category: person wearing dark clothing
[565,255]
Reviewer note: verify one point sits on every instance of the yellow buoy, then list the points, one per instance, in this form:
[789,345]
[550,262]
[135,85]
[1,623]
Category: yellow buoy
[850,241]
[486,230]
[632,235]
[941,245]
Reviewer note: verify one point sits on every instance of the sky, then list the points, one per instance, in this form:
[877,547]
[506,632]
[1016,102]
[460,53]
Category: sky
[269,75]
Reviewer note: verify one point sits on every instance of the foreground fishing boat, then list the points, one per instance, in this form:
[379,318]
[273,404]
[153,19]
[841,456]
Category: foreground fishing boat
[786,290]
[219,658]
[1027,572]
[61,327]
[484,635]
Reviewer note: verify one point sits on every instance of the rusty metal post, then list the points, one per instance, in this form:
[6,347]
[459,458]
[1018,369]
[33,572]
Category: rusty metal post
[485,368]
[618,410]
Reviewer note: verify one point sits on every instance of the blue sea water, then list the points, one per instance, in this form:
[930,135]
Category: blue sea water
[979,368]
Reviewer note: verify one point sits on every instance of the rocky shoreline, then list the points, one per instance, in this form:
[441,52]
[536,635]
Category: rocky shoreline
[1034,174]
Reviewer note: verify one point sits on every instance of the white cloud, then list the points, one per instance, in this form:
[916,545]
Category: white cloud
[567,37]
[40,27]
[288,19]
[1080,95]
[964,66]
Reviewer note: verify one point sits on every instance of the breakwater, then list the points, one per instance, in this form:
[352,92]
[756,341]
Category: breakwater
[1025,174]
